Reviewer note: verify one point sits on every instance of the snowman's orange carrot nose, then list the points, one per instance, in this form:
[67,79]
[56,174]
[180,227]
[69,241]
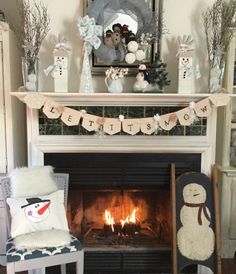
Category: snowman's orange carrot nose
[42,210]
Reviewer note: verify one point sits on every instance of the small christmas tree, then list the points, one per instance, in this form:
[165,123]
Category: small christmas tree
[158,74]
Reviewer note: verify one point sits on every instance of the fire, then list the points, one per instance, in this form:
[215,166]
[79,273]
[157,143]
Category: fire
[109,220]
[130,219]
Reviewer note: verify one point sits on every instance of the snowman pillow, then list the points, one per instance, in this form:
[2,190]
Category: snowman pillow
[37,213]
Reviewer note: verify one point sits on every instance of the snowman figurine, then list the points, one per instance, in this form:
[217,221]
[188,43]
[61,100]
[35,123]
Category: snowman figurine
[141,82]
[187,72]
[59,69]
[195,239]
[37,209]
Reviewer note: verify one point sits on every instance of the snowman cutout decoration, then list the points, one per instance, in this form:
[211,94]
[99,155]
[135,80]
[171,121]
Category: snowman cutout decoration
[59,69]
[60,73]
[37,209]
[195,239]
[187,72]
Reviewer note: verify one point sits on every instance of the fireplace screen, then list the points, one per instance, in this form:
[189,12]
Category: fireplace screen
[121,217]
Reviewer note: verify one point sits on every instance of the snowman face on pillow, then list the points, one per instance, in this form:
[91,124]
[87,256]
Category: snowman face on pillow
[194,194]
[37,209]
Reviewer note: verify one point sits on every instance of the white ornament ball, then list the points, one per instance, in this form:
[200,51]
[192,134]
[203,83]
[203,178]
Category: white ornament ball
[140,55]
[130,58]
[132,46]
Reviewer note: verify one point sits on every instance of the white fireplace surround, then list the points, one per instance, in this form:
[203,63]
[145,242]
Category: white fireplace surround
[40,144]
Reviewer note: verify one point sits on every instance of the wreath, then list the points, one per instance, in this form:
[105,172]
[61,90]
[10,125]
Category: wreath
[114,45]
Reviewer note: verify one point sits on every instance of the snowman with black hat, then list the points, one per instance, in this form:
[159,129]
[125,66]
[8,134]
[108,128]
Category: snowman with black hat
[37,209]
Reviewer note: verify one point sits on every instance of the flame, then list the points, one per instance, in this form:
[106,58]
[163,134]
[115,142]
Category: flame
[109,220]
[130,219]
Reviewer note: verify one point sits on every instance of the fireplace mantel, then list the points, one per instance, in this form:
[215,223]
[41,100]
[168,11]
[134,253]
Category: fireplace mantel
[121,99]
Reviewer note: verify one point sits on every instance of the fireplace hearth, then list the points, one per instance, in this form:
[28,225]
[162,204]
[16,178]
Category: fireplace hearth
[119,206]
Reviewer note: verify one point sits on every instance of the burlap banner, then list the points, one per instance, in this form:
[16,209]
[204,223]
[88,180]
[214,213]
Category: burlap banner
[111,126]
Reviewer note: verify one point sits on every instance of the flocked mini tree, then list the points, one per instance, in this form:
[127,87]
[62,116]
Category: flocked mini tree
[158,74]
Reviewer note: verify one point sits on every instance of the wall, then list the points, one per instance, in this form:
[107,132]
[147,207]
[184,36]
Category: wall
[181,17]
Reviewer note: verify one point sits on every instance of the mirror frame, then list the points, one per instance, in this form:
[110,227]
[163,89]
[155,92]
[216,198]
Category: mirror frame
[99,69]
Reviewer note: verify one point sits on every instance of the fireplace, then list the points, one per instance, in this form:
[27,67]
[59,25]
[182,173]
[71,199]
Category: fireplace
[119,206]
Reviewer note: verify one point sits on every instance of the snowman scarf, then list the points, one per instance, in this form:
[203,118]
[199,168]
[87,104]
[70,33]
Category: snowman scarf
[202,208]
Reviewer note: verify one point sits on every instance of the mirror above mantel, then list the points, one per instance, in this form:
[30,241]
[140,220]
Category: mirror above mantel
[131,33]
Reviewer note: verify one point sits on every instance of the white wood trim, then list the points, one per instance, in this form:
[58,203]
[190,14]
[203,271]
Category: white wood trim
[3,156]
[123,99]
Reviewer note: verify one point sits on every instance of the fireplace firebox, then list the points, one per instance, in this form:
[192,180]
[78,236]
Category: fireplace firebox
[119,206]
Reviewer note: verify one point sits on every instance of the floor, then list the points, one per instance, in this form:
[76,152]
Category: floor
[228,267]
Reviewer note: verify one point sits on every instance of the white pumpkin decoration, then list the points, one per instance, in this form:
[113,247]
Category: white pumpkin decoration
[130,58]
[132,46]
[140,55]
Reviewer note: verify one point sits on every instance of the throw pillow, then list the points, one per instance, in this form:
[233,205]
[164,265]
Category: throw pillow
[26,182]
[37,213]
[41,239]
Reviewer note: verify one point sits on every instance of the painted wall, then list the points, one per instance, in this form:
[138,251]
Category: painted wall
[181,17]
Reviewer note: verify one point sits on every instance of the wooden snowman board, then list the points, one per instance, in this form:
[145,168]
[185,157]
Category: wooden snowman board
[196,236]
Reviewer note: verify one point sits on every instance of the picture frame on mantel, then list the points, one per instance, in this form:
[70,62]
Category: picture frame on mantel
[98,66]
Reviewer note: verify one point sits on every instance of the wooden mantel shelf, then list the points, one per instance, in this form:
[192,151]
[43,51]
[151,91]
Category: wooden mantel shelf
[122,99]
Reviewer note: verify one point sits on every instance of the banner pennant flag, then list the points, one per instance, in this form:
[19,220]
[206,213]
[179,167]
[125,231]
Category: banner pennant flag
[131,126]
[34,100]
[166,122]
[148,125]
[220,99]
[71,117]
[112,126]
[91,122]
[185,116]
[203,108]
[52,109]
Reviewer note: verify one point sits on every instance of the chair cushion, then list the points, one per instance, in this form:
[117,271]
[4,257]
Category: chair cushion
[14,255]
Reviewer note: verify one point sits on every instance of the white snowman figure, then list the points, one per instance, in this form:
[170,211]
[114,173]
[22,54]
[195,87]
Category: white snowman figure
[187,71]
[37,209]
[60,73]
[195,239]
[141,82]
[59,69]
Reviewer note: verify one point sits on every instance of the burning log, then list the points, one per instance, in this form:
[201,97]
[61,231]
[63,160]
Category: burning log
[130,229]
[127,227]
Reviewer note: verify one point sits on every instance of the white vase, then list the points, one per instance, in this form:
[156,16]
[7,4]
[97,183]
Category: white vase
[114,86]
